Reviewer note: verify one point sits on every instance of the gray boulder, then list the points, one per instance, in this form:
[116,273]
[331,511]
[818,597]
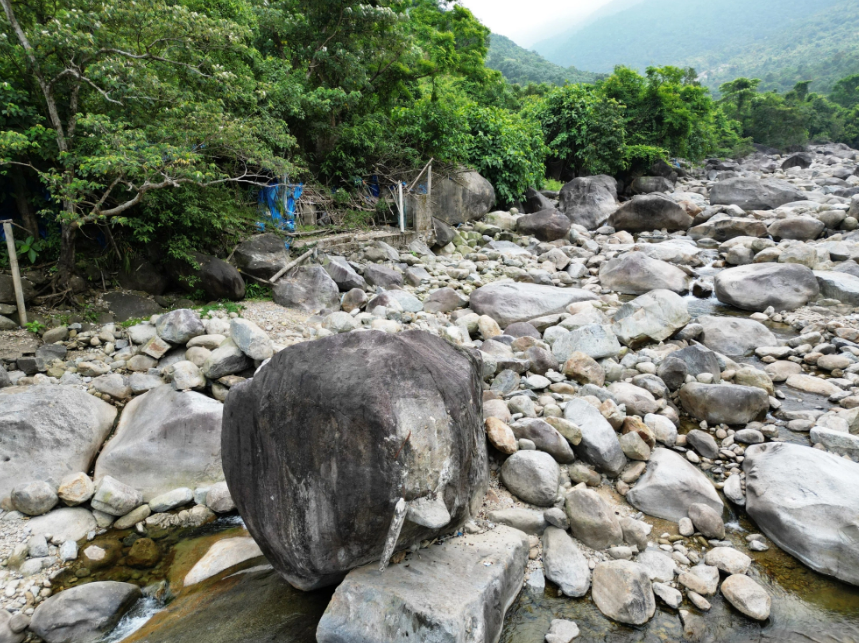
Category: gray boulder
[48,432]
[362,420]
[34,498]
[634,273]
[594,340]
[546,225]
[622,592]
[653,317]
[754,194]
[392,298]
[698,359]
[651,184]
[7,289]
[735,337]
[444,300]
[262,255]
[310,289]
[83,614]
[599,445]
[382,276]
[723,228]
[842,286]
[65,523]
[589,200]
[592,520]
[670,485]
[344,274]
[252,340]
[448,593]
[797,228]
[532,476]
[444,233]
[757,286]
[648,212]
[565,564]
[459,198]
[536,201]
[805,501]
[226,359]
[179,326]
[144,276]
[545,437]
[125,306]
[215,277]
[164,440]
[508,303]
[724,403]
[801,160]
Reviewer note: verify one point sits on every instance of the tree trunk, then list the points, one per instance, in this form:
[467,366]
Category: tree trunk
[66,262]
[19,186]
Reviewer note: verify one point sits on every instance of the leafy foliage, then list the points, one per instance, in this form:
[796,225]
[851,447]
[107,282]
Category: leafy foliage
[520,66]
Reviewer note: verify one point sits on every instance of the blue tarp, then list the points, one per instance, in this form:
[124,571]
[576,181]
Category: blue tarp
[271,204]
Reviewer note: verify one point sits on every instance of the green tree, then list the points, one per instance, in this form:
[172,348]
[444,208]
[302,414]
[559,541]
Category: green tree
[136,98]
[846,92]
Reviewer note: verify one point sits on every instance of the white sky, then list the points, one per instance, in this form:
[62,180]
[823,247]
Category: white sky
[529,21]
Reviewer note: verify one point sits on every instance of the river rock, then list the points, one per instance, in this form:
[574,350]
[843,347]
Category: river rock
[589,200]
[634,273]
[658,565]
[670,485]
[362,419]
[707,520]
[34,498]
[754,194]
[797,228]
[805,501]
[164,440]
[309,288]
[647,212]
[728,559]
[592,520]
[48,432]
[508,303]
[179,326]
[724,403]
[562,631]
[462,197]
[653,317]
[747,596]
[599,444]
[545,437]
[597,341]
[226,359]
[251,339]
[622,592]
[735,337]
[83,614]
[527,520]
[839,285]
[457,591]
[215,277]
[565,564]
[344,274]
[546,225]
[66,523]
[532,476]
[724,228]
[784,286]
[262,255]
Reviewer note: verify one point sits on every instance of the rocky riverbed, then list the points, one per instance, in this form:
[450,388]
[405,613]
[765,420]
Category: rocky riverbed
[624,418]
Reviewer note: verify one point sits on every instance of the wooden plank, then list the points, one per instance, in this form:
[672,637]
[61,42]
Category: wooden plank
[16,275]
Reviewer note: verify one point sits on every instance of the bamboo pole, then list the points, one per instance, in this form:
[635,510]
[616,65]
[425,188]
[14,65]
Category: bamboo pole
[16,275]
[292,265]
[402,208]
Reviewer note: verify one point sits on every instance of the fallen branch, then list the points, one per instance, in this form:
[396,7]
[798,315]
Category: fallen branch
[291,265]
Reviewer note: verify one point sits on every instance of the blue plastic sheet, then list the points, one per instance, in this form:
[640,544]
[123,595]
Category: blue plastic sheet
[271,203]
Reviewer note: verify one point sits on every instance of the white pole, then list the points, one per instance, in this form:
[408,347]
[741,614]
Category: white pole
[402,210]
[16,275]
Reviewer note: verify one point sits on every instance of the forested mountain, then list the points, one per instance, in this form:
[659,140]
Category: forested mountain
[518,65]
[780,41]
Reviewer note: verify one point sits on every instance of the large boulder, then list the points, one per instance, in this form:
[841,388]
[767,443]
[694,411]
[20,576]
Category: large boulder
[7,289]
[48,432]
[564,563]
[757,286]
[724,403]
[653,317]
[723,228]
[842,286]
[623,592]
[755,194]
[805,501]
[508,303]
[459,198]
[310,289]
[215,277]
[142,275]
[320,447]
[125,306]
[634,273]
[670,485]
[546,225]
[589,200]
[536,201]
[797,228]
[532,476]
[457,591]
[344,274]
[165,439]
[262,255]
[648,212]
[83,614]
[599,445]
[734,337]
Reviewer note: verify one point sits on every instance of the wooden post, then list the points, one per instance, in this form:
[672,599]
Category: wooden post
[402,207]
[429,179]
[16,275]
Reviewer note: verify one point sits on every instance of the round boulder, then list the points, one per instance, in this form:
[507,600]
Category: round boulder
[648,212]
[784,286]
[546,225]
[320,447]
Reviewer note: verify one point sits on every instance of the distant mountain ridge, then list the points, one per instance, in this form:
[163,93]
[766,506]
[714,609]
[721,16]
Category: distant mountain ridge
[518,65]
[781,41]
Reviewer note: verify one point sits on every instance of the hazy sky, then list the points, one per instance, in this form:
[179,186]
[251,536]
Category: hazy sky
[527,21]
